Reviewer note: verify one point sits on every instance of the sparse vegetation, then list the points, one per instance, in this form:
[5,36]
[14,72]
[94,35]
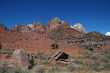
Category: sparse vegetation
[91,61]
[38,69]
[6,51]
[4,68]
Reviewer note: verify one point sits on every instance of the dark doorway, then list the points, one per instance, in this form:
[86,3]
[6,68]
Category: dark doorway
[62,57]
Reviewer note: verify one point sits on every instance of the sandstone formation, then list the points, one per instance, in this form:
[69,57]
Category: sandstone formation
[37,37]
[79,27]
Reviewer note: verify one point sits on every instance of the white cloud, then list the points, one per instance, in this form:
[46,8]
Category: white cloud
[107,33]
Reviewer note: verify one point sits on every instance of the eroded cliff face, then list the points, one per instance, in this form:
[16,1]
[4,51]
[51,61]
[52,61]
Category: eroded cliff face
[24,40]
[34,37]
[35,41]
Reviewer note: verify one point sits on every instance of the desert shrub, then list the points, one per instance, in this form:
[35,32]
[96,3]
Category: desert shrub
[106,67]
[12,70]
[55,46]
[107,54]
[31,62]
[55,69]
[38,69]
[71,68]
[6,51]
[6,70]
[42,56]
[90,49]
[8,67]
[94,67]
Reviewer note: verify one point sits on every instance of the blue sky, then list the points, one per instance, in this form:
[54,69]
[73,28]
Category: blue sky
[94,14]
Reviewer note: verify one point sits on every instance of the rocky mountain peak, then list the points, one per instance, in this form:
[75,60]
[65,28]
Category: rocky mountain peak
[79,27]
[56,20]
[55,23]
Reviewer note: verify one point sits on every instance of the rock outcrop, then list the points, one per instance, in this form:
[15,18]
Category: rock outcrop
[3,28]
[37,37]
[79,27]
[56,23]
